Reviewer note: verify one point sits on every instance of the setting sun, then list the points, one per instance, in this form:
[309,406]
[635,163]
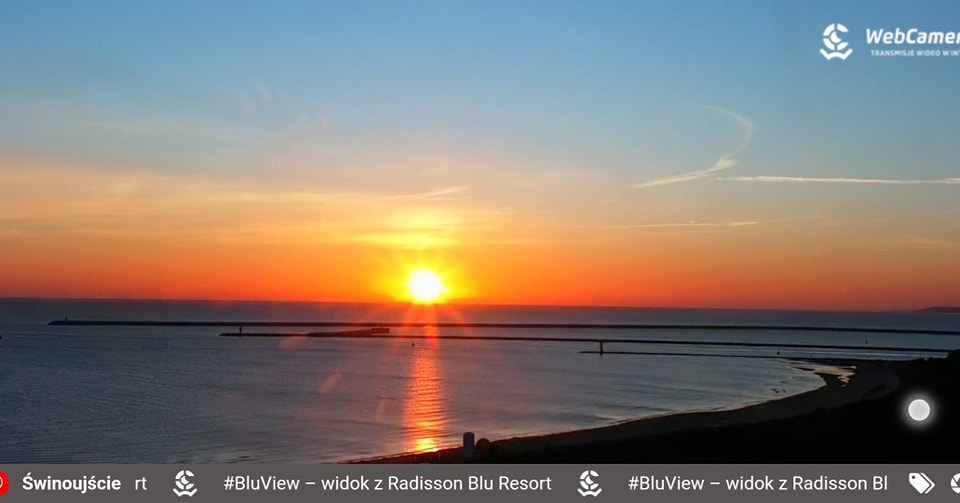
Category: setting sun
[425,287]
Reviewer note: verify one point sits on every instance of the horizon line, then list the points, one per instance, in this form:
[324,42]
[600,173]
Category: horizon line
[484,304]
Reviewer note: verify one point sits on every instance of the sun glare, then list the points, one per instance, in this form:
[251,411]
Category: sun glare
[425,287]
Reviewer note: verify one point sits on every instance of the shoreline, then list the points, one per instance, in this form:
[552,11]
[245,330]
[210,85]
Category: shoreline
[834,373]
[853,420]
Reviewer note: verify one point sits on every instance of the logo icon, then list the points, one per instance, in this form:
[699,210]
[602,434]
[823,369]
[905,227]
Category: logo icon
[954,483]
[588,487]
[4,483]
[834,44]
[921,483]
[183,482]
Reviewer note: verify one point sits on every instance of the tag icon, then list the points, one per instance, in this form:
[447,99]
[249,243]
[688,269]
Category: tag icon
[921,482]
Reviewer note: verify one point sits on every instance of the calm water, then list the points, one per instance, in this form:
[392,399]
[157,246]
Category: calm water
[104,394]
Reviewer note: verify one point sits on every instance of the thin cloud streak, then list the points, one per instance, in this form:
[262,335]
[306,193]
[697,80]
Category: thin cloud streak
[805,179]
[438,194]
[725,161]
[929,243]
[722,164]
[689,225]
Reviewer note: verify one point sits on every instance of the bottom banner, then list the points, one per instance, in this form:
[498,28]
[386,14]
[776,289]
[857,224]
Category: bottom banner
[479,483]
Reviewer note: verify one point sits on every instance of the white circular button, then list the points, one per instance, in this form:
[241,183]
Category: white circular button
[919,410]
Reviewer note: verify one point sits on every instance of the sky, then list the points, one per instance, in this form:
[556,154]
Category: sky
[691,153]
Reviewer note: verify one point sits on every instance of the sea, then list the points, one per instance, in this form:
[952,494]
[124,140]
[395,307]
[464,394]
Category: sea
[162,394]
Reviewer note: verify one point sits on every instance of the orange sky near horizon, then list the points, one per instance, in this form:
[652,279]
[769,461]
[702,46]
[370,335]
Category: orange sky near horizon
[754,267]
[96,227]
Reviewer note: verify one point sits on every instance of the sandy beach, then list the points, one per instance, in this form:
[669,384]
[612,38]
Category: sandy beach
[855,417]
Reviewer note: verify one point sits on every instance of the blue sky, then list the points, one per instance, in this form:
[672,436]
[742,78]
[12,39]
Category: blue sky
[566,115]
[596,82]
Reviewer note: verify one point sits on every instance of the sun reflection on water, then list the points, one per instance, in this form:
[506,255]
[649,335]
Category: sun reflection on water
[424,415]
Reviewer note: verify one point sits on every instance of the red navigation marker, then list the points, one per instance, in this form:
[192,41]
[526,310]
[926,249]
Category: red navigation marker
[4,483]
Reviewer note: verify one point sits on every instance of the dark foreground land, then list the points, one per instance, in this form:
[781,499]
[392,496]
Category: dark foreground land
[860,421]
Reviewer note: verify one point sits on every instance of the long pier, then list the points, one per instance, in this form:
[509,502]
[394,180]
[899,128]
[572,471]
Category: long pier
[599,326]
[591,340]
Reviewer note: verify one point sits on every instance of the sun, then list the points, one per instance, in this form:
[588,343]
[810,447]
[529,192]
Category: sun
[425,287]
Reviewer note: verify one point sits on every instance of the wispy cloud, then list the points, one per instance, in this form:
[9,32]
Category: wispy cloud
[929,243]
[441,194]
[805,179]
[692,225]
[728,161]
[725,161]
[722,164]
[52,201]
[748,127]
[686,228]
[249,98]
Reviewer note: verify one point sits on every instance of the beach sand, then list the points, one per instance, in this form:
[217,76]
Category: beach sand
[861,419]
